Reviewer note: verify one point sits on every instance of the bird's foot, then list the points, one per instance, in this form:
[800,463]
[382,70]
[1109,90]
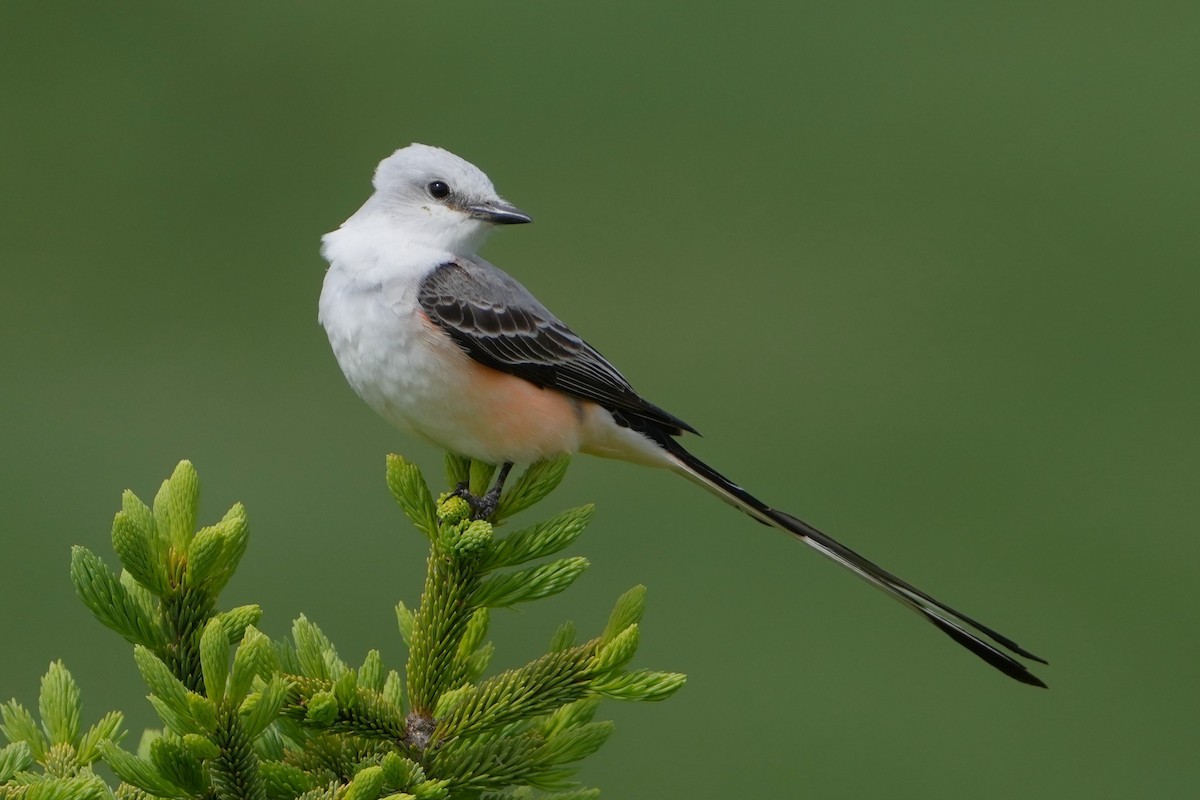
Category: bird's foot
[482,506]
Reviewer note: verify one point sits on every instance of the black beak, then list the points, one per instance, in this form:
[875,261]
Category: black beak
[499,213]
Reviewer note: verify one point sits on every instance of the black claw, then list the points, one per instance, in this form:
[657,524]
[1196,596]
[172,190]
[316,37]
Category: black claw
[483,507]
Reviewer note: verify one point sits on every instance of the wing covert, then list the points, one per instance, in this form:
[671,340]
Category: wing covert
[497,322]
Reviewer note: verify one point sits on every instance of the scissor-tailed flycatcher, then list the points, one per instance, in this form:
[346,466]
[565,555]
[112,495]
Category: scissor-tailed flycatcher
[445,345]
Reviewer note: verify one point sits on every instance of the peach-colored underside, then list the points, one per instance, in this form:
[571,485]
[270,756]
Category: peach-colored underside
[519,417]
[500,417]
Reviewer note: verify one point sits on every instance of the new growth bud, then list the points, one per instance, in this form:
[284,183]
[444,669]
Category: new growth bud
[453,509]
[474,538]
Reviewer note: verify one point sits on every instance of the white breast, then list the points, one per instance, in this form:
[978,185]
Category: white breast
[369,309]
[414,375]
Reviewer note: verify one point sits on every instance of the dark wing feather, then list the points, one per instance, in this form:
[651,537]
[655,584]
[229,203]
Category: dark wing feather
[497,322]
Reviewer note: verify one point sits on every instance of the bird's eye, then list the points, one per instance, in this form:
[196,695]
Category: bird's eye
[439,189]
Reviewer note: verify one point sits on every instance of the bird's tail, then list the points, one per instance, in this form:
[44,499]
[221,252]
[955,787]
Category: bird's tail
[958,626]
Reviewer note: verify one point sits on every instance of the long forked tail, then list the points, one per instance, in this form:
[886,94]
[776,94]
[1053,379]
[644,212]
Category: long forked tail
[958,626]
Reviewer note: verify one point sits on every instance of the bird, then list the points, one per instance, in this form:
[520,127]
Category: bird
[448,347]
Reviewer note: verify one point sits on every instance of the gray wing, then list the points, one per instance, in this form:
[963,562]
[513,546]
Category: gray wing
[497,322]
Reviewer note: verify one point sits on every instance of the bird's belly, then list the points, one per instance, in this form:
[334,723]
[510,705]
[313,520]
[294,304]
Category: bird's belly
[416,378]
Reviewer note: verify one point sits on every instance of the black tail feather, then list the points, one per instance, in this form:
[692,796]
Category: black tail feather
[1001,661]
[958,626]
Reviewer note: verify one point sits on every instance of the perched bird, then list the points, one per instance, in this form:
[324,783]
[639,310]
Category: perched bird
[447,346]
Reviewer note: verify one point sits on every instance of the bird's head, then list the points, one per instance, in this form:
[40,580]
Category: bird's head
[436,198]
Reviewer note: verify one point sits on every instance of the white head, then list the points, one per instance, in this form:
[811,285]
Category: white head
[433,197]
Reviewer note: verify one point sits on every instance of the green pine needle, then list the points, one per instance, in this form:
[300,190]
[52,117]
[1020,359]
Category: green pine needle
[16,757]
[563,638]
[406,620]
[481,477]
[59,705]
[214,659]
[458,470]
[411,492]
[107,729]
[18,725]
[628,611]
[539,540]
[140,772]
[110,602]
[539,480]
[619,651]
[530,584]
[370,674]
[176,505]
[135,540]
[537,688]
[644,685]
[178,765]
[236,620]
[262,708]
[248,718]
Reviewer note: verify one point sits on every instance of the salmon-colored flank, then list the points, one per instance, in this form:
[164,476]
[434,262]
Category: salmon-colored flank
[520,416]
[509,417]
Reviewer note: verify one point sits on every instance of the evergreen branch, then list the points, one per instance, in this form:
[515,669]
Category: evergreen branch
[411,492]
[79,787]
[481,477]
[140,772]
[136,542]
[540,540]
[458,470]
[107,729]
[644,685]
[406,621]
[284,781]
[263,707]
[363,712]
[370,674]
[563,638]
[168,591]
[214,660]
[176,504]
[493,764]
[235,771]
[530,584]
[18,726]
[16,757]
[628,611]
[568,716]
[186,613]
[175,703]
[58,744]
[537,688]
[317,657]
[252,719]
[176,762]
[59,704]
[110,602]
[439,626]
[236,620]
[539,480]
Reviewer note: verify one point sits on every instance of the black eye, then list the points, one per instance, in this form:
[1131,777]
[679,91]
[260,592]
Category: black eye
[439,189]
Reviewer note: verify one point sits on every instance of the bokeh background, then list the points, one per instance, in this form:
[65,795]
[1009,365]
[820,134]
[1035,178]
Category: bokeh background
[924,273]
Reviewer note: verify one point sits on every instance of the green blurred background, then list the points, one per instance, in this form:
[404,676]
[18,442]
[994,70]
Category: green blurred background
[924,273]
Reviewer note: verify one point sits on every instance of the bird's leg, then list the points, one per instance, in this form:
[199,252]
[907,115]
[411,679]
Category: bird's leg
[483,507]
[487,503]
